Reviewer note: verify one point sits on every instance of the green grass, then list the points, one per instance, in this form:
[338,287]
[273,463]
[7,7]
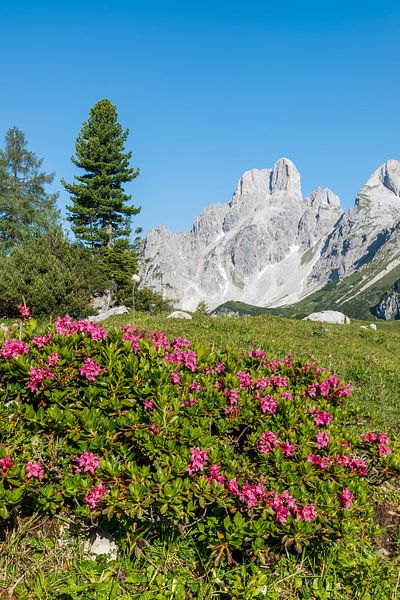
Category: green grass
[366,359]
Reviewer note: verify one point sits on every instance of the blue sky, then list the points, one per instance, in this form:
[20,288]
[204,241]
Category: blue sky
[208,89]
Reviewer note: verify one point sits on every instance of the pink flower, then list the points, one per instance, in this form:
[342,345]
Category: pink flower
[24,310]
[268,441]
[307,513]
[322,439]
[288,449]
[245,379]
[323,418]
[149,405]
[95,495]
[232,487]
[41,341]
[159,339]
[219,367]
[90,369]
[34,470]
[6,463]
[87,462]
[198,460]
[267,404]
[53,359]
[175,378]
[346,498]
[318,461]
[153,428]
[194,387]
[13,348]
[36,376]
[232,395]
[287,395]
[191,402]
[179,343]
[216,475]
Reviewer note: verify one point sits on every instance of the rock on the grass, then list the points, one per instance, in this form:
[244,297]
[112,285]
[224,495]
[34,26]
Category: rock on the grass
[373,326]
[179,314]
[101,544]
[111,312]
[328,316]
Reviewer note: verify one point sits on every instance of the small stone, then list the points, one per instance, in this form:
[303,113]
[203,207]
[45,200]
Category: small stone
[373,326]
[179,314]
[328,316]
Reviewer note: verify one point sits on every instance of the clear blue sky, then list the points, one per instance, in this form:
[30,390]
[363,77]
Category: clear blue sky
[208,89]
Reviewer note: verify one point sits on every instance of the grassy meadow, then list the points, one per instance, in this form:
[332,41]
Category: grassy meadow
[35,564]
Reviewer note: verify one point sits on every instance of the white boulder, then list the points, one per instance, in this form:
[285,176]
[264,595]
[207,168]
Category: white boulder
[328,316]
[373,326]
[179,314]
[111,312]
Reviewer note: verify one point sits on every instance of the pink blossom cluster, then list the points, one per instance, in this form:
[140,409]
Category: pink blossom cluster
[216,475]
[87,462]
[219,367]
[283,504]
[187,358]
[95,495]
[12,348]
[42,340]
[245,379]
[149,405]
[90,369]
[278,382]
[259,354]
[194,387]
[67,326]
[34,470]
[6,463]
[129,335]
[287,395]
[346,498]
[326,387]
[175,379]
[267,403]
[322,417]
[354,464]
[198,460]
[24,311]
[159,340]
[322,440]
[36,376]
[180,343]
[380,439]
[231,395]
[53,359]
[191,402]
[269,440]
[319,461]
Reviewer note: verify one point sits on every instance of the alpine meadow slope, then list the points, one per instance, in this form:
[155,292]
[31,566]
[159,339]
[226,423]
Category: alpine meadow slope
[270,247]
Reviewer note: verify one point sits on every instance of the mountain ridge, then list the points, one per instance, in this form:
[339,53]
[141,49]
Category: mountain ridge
[270,247]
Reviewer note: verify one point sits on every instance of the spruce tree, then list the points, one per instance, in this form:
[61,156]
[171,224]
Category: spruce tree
[99,212]
[26,208]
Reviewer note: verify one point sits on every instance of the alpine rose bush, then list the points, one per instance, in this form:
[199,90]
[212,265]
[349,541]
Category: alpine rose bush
[246,452]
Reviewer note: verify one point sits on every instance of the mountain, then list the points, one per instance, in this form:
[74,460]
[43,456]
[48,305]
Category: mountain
[270,247]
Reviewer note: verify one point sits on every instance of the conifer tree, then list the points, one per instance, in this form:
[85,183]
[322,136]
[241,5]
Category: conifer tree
[99,212]
[26,208]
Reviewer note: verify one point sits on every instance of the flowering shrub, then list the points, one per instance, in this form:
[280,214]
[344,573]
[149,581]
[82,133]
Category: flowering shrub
[246,452]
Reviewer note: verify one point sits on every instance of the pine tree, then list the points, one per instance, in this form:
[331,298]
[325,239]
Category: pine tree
[26,208]
[99,212]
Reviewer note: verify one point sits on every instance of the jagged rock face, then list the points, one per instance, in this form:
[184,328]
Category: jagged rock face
[371,224]
[389,306]
[259,248]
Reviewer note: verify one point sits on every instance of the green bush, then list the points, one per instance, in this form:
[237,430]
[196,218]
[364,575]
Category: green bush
[247,454]
[51,275]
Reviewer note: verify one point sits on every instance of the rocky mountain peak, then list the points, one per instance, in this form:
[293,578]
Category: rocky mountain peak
[285,178]
[255,182]
[324,197]
[385,179]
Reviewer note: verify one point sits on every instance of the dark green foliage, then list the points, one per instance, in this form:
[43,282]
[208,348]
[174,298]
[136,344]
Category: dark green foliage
[202,308]
[25,207]
[52,275]
[147,300]
[99,212]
